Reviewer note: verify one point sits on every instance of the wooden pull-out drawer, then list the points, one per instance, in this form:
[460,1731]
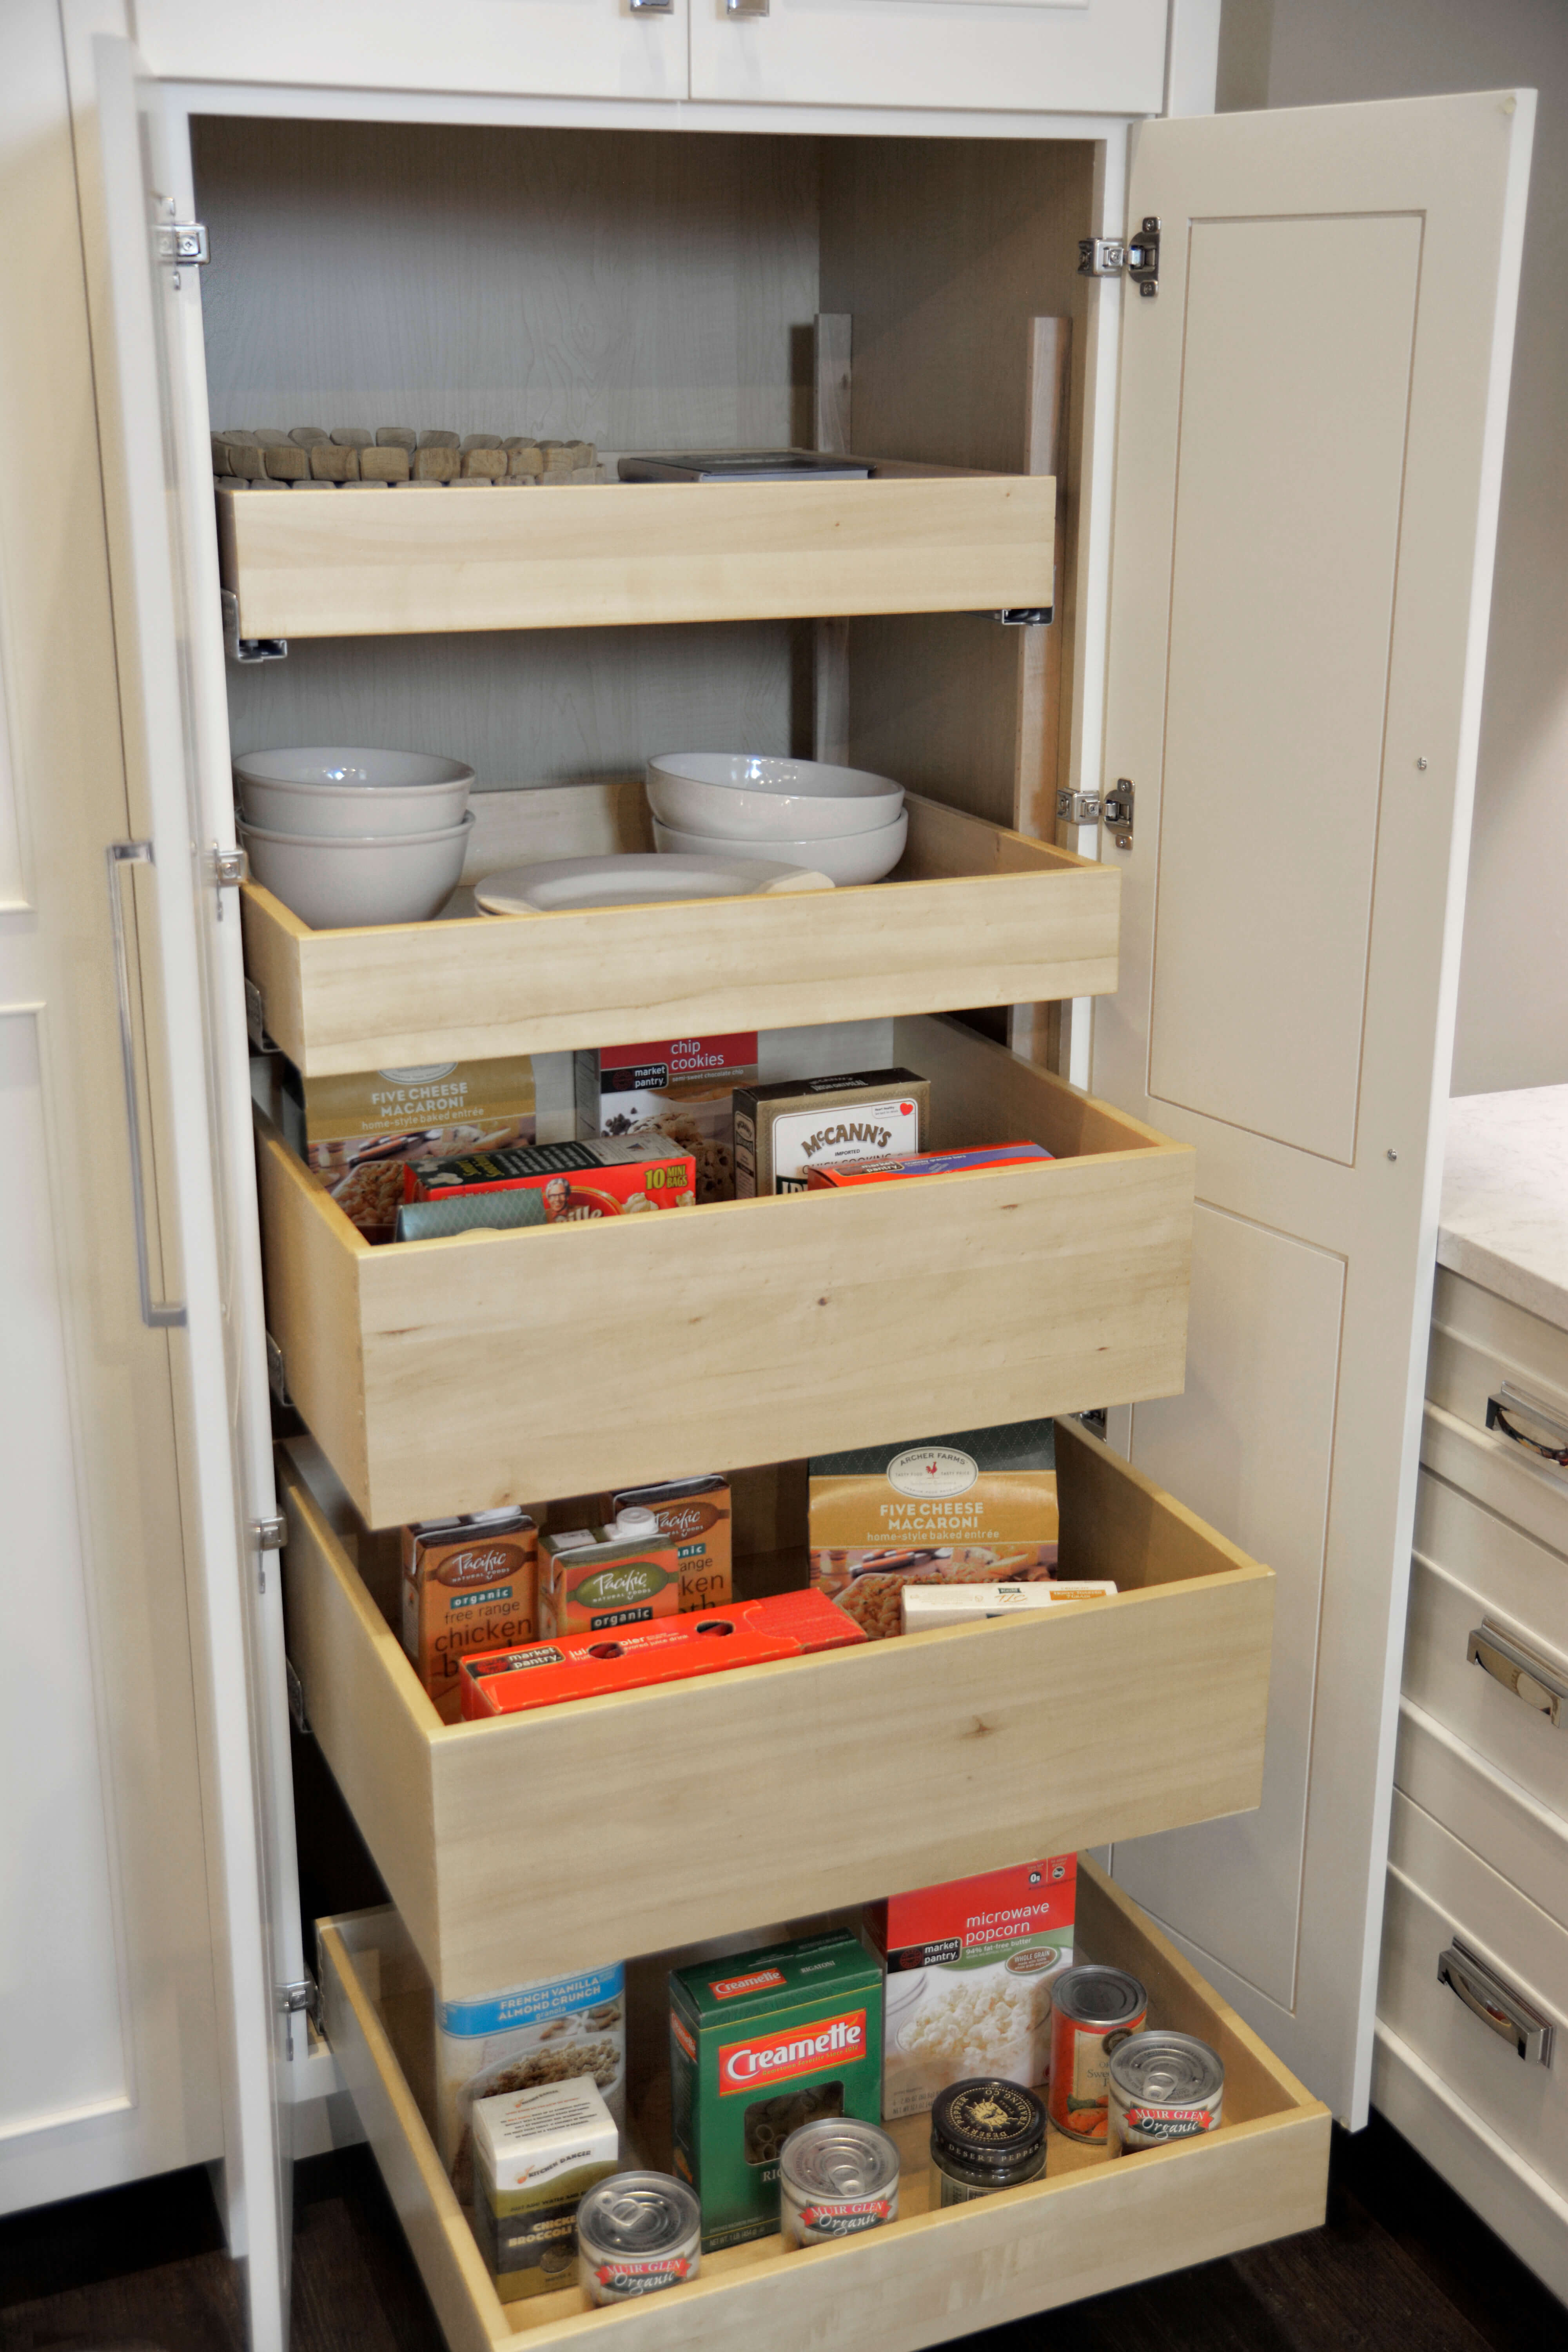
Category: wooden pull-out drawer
[543,1843]
[1092,2224]
[496,1367]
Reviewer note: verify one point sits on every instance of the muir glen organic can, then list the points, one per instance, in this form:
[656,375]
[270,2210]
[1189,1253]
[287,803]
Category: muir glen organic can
[838,2176]
[637,2233]
[1164,2086]
[1093,2011]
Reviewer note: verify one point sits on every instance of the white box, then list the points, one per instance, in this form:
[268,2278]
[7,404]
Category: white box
[927,1605]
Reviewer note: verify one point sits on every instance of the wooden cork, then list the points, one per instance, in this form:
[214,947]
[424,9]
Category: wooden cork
[484,464]
[267,437]
[525,460]
[286,463]
[331,462]
[353,436]
[436,465]
[307,435]
[386,465]
[312,486]
[397,437]
[480,441]
[221,464]
[246,460]
[438,441]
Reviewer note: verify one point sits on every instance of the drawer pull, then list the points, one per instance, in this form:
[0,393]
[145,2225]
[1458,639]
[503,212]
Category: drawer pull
[1522,1671]
[1551,1442]
[1494,2001]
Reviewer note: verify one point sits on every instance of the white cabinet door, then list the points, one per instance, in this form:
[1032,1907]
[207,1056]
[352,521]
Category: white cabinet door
[1309,448]
[1077,57]
[544,48]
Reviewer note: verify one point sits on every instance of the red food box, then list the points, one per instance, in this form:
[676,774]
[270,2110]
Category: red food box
[888,1169]
[671,1649]
[609,1177]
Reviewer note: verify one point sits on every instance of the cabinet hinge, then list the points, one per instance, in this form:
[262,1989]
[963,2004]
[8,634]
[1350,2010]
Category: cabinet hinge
[1108,257]
[1078,808]
[269,1534]
[1116,811]
[230,867]
[305,1994]
[182,243]
[262,1037]
[277,1379]
[247,649]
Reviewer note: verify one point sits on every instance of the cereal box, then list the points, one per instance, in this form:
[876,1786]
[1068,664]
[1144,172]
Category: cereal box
[683,1089]
[591,1579]
[577,1180]
[975,1508]
[892,1166]
[784,1130]
[356,1131]
[550,2030]
[970,1970]
[696,1513]
[467,1584]
[759,2045]
[536,2152]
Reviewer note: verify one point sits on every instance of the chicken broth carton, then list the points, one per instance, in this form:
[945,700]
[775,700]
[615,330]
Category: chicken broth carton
[469,1583]
[970,1970]
[978,1506]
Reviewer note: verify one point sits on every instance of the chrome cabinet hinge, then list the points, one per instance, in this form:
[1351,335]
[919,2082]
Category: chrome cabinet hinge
[305,1994]
[269,1534]
[245,650]
[230,867]
[1078,808]
[1108,257]
[1116,811]
[182,243]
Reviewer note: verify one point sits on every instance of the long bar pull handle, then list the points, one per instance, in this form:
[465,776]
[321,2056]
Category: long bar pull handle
[1549,1443]
[745,7]
[1496,2003]
[157,1317]
[1534,1679]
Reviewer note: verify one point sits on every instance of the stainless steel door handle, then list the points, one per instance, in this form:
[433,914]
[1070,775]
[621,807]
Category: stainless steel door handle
[1496,2003]
[1536,1680]
[157,1317]
[745,7]
[1547,1438]
[652,7]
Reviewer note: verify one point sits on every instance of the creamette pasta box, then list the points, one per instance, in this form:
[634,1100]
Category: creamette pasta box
[355,1131]
[781,1131]
[970,1970]
[978,1506]
[683,1088]
[759,2045]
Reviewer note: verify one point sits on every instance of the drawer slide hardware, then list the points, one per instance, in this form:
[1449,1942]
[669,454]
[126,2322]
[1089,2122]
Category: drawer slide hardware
[1024,616]
[304,1994]
[1496,2003]
[1520,1669]
[1550,1442]
[1108,257]
[261,1036]
[277,1378]
[296,1690]
[247,649]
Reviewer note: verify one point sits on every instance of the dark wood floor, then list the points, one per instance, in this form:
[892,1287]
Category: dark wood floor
[1402,2266]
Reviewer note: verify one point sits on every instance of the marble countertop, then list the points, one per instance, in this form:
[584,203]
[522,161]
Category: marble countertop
[1504,1219]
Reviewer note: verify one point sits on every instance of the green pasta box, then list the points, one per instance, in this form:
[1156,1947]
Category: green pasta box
[759,2045]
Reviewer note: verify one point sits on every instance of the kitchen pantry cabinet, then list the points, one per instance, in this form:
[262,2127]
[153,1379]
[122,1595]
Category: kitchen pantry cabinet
[944,251]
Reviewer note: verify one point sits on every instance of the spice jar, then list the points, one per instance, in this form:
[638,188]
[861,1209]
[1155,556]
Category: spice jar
[985,2135]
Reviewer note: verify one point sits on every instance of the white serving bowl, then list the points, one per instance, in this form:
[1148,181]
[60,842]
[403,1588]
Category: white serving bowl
[736,797]
[340,883]
[855,857]
[338,789]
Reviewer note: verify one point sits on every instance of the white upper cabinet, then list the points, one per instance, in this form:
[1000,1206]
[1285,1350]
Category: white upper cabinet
[1044,57]
[549,48]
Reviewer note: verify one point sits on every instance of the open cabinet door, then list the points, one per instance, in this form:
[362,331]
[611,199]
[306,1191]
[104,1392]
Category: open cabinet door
[1309,448]
[188,983]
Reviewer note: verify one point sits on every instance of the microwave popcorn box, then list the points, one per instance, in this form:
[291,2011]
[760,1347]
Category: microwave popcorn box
[970,1970]
[578,1181]
[976,1507]
[927,1607]
[758,2046]
[355,1132]
[695,1514]
[470,1583]
[682,1089]
[536,2152]
[552,2030]
[591,1581]
[672,1649]
[889,1169]
[781,1131]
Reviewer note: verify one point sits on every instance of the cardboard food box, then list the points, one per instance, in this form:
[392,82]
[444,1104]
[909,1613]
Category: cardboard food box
[355,1132]
[759,2045]
[577,1180]
[927,1607]
[889,1169]
[536,2154]
[696,1514]
[592,1581]
[672,1649]
[683,1089]
[784,1130]
[970,1968]
[552,2030]
[975,1508]
[470,1583]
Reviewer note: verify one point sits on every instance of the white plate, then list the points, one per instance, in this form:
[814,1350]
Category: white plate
[554,885]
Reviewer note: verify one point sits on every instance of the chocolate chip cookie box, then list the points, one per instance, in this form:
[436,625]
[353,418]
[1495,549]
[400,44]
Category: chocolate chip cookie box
[682,1087]
[355,1131]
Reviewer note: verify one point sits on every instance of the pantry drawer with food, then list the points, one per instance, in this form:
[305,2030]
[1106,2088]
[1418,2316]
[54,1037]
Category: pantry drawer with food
[488,1367]
[721,1797]
[912,2267]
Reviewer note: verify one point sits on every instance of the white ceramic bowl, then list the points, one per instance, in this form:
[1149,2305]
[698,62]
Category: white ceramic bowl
[735,797]
[338,885]
[337,789]
[856,857]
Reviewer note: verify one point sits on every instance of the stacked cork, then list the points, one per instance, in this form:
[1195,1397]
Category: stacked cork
[353,457]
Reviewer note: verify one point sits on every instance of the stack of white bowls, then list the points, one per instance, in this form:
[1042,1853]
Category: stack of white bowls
[345,837]
[843,821]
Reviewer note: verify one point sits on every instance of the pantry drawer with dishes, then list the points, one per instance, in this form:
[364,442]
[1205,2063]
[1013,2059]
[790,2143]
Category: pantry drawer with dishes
[785,1788]
[1089,2224]
[488,1367]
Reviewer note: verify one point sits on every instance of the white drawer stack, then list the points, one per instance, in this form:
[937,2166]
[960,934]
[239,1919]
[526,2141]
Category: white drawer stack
[1472,2059]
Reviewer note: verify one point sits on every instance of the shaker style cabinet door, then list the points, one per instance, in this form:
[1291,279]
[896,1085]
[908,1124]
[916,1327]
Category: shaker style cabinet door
[1068,56]
[547,48]
[1308,451]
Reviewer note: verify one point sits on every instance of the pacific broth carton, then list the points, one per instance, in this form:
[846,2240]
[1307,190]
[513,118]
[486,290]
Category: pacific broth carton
[468,1583]
[759,2045]
[696,1514]
[591,1579]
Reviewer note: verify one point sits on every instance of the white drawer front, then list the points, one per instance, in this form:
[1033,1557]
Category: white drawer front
[1478,1344]
[1503,1476]
[1494,1720]
[1438,1890]
[1487,1811]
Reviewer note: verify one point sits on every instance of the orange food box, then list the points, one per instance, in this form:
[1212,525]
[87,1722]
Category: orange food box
[893,1165]
[671,1649]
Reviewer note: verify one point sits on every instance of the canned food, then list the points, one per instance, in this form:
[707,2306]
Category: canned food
[637,2233]
[1093,2011]
[985,2135]
[1164,2086]
[836,2177]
